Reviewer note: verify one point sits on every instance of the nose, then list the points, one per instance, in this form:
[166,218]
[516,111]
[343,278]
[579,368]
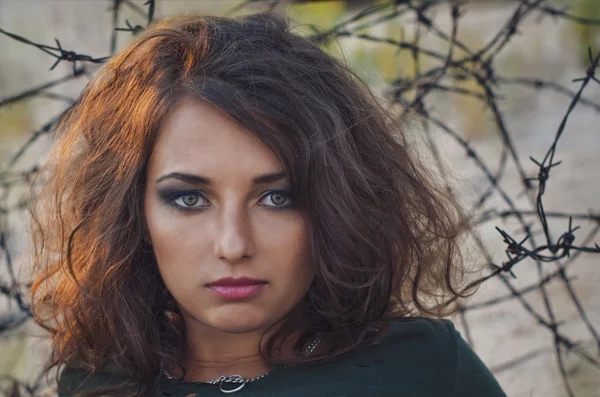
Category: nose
[234,240]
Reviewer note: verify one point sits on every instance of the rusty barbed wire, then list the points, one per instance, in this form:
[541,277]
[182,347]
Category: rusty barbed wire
[413,93]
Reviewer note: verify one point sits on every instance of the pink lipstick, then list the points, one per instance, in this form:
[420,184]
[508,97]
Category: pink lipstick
[236,288]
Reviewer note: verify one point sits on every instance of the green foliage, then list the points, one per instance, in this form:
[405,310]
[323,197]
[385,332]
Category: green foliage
[587,35]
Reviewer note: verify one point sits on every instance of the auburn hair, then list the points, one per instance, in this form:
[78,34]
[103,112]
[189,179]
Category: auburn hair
[384,235]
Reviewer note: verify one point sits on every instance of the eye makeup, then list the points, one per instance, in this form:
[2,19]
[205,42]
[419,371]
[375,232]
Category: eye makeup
[282,192]
[170,196]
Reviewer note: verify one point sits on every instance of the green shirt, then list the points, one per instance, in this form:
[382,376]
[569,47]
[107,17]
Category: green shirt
[417,357]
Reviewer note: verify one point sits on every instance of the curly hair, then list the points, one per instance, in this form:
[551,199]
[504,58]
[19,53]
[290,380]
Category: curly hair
[384,236]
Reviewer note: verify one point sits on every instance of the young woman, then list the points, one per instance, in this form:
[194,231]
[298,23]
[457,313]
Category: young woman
[228,209]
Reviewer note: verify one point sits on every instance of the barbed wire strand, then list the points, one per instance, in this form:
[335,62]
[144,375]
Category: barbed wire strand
[459,62]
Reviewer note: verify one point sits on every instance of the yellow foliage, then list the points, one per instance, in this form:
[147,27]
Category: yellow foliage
[321,13]
[15,119]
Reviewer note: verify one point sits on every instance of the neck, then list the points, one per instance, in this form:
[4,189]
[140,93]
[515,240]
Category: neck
[211,353]
[204,372]
[218,353]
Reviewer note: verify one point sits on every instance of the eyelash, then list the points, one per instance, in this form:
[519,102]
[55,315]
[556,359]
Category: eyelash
[171,197]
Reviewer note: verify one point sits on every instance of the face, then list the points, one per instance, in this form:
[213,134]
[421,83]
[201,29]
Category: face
[218,205]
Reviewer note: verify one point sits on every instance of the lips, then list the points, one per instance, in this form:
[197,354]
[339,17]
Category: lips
[236,292]
[237,288]
[240,281]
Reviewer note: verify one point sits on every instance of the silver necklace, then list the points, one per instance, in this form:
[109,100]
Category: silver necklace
[221,380]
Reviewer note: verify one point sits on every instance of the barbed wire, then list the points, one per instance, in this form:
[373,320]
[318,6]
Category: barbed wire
[475,65]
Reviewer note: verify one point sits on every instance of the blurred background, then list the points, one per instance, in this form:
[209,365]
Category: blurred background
[483,89]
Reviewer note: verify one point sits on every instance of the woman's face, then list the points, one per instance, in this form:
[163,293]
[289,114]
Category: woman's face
[218,205]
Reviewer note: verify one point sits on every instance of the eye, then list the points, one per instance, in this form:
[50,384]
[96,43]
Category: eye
[278,199]
[188,200]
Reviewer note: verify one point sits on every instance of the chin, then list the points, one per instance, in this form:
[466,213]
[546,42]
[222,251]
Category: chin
[239,328]
[238,322]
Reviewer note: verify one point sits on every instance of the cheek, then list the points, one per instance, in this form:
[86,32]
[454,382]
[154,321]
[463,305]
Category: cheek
[291,253]
[175,241]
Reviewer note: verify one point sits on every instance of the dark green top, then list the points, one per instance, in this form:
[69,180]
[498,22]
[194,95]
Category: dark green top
[417,357]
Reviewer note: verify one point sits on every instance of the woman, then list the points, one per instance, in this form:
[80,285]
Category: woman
[228,209]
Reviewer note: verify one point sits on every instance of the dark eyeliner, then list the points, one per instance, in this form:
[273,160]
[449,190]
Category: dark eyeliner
[168,197]
[285,192]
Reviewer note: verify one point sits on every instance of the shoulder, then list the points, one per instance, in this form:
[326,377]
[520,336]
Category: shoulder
[74,381]
[430,354]
[420,335]
[433,329]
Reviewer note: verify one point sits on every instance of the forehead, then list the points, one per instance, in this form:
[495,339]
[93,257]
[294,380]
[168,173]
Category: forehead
[199,138]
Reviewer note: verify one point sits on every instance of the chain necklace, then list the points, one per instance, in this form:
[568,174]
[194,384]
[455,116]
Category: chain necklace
[221,380]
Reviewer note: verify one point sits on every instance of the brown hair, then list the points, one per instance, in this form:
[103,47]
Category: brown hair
[383,235]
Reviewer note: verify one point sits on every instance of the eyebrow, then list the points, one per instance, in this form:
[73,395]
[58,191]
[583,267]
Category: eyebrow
[190,178]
